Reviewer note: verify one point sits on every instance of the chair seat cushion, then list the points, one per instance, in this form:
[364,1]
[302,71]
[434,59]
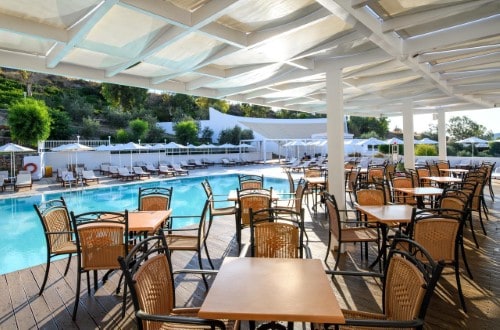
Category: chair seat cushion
[65,248]
[182,242]
[359,234]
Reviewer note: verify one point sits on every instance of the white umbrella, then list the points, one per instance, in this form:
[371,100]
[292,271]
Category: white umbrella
[371,142]
[425,141]
[131,146]
[106,147]
[473,141]
[159,147]
[173,145]
[394,140]
[12,148]
[73,147]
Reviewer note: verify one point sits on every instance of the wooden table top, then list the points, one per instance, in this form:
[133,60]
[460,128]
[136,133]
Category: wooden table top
[272,289]
[454,170]
[421,191]
[315,180]
[147,221]
[441,179]
[388,213]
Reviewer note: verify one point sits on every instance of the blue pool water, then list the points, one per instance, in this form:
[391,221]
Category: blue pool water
[23,244]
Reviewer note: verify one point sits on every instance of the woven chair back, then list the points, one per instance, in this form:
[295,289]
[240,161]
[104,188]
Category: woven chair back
[276,233]
[155,199]
[334,224]
[251,181]
[375,174]
[410,280]
[101,238]
[255,200]
[56,223]
[423,172]
[400,197]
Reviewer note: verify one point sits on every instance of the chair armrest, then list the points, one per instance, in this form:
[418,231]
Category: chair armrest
[196,271]
[59,232]
[179,319]
[353,273]
[245,250]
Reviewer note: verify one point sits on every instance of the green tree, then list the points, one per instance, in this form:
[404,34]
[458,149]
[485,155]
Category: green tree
[495,148]
[90,128]
[29,121]
[76,106]
[138,129]
[186,132]
[360,125]
[60,125]
[122,136]
[207,134]
[425,150]
[460,128]
[125,97]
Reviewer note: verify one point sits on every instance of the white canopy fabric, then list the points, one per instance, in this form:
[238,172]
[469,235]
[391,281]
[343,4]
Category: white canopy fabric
[438,55]
[13,148]
[425,141]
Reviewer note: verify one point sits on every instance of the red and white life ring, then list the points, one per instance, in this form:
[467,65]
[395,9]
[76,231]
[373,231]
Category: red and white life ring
[32,166]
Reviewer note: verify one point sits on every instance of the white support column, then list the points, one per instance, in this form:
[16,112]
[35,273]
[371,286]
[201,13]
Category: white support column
[335,134]
[408,130]
[441,128]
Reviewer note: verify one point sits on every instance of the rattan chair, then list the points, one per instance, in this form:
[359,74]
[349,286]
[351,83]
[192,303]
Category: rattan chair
[58,232]
[154,199]
[217,200]
[351,180]
[476,179]
[370,194]
[276,233]
[337,229]
[439,231]
[250,199]
[460,199]
[251,181]
[401,197]
[191,238]
[408,283]
[150,278]
[101,237]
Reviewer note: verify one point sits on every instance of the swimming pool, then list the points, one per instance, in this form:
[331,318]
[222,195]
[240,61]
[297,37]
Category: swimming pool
[23,244]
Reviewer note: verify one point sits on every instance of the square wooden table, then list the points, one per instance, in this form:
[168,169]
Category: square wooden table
[272,289]
[442,181]
[147,221]
[420,192]
[386,215]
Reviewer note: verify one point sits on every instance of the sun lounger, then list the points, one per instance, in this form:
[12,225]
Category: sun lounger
[23,180]
[197,163]
[179,170]
[68,179]
[124,174]
[2,182]
[227,162]
[151,169]
[140,172]
[166,171]
[183,164]
[113,172]
[89,176]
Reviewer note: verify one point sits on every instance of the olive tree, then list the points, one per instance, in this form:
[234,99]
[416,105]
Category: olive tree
[29,121]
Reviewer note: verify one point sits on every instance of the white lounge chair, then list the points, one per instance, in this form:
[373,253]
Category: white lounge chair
[68,179]
[124,174]
[179,170]
[166,171]
[2,182]
[23,180]
[152,169]
[89,176]
[140,172]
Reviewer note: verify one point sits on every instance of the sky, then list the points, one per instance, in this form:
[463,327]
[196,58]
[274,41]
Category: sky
[490,118]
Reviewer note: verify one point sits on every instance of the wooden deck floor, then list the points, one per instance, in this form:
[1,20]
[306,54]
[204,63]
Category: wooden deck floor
[22,308]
